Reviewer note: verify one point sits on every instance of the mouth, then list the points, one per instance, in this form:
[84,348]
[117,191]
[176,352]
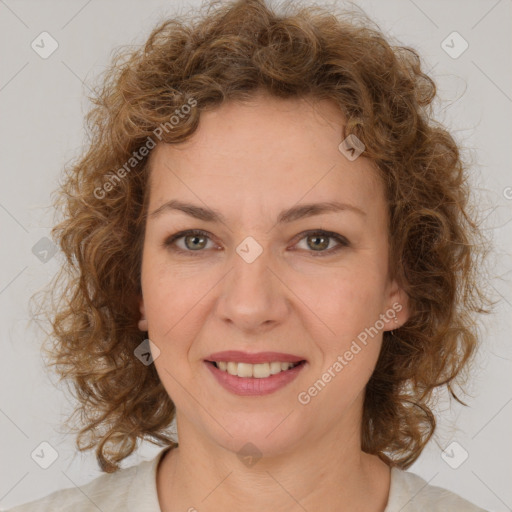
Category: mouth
[255,371]
[242,373]
[254,374]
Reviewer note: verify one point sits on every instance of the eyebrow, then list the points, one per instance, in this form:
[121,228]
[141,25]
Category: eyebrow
[291,214]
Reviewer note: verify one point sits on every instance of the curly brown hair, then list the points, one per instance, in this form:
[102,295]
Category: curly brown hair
[230,52]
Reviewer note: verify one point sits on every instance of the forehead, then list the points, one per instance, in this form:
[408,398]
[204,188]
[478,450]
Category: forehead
[264,154]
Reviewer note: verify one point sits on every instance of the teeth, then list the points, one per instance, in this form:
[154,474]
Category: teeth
[258,371]
[275,368]
[244,370]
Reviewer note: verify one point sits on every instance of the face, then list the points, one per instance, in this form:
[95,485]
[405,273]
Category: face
[265,280]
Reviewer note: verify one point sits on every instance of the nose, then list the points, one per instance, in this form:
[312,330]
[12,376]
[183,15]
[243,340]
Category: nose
[253,296]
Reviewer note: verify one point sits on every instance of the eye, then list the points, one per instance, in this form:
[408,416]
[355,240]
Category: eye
[320,241]
[195,240]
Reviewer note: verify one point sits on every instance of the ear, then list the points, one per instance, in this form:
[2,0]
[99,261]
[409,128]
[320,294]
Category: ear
[143,323]
[397,307]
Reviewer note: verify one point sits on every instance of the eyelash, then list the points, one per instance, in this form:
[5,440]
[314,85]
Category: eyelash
[343,242]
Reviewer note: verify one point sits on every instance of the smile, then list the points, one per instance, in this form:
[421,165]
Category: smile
[256,371]
[246,379]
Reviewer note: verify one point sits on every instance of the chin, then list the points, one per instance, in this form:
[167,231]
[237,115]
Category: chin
[265,434]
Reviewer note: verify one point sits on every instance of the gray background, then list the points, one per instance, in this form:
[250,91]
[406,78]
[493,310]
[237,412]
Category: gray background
[42,105]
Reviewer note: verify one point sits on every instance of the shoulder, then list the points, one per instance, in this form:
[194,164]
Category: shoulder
[132,488]
[99,494]
[411,493]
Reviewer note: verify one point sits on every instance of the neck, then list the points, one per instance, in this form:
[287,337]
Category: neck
[328,475]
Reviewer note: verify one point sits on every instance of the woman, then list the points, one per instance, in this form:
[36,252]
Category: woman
[269,241]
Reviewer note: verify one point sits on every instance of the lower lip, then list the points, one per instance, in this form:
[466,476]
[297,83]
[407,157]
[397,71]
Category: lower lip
[250,386]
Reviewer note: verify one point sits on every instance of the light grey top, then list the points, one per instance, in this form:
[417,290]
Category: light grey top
[134,488]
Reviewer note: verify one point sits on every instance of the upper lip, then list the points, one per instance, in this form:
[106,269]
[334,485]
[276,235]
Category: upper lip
[254,358]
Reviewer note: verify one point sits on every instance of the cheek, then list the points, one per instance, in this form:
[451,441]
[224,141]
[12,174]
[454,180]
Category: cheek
[165,286]
[341,304]
[172,311]
[171,307]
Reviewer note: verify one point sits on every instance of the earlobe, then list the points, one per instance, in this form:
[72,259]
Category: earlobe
[398,307]
[143,323]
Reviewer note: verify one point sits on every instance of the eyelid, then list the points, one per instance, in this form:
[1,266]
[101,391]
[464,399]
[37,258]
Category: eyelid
[342,241]
[170,241]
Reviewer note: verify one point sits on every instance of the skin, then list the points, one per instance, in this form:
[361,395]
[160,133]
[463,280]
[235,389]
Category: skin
[250,161]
